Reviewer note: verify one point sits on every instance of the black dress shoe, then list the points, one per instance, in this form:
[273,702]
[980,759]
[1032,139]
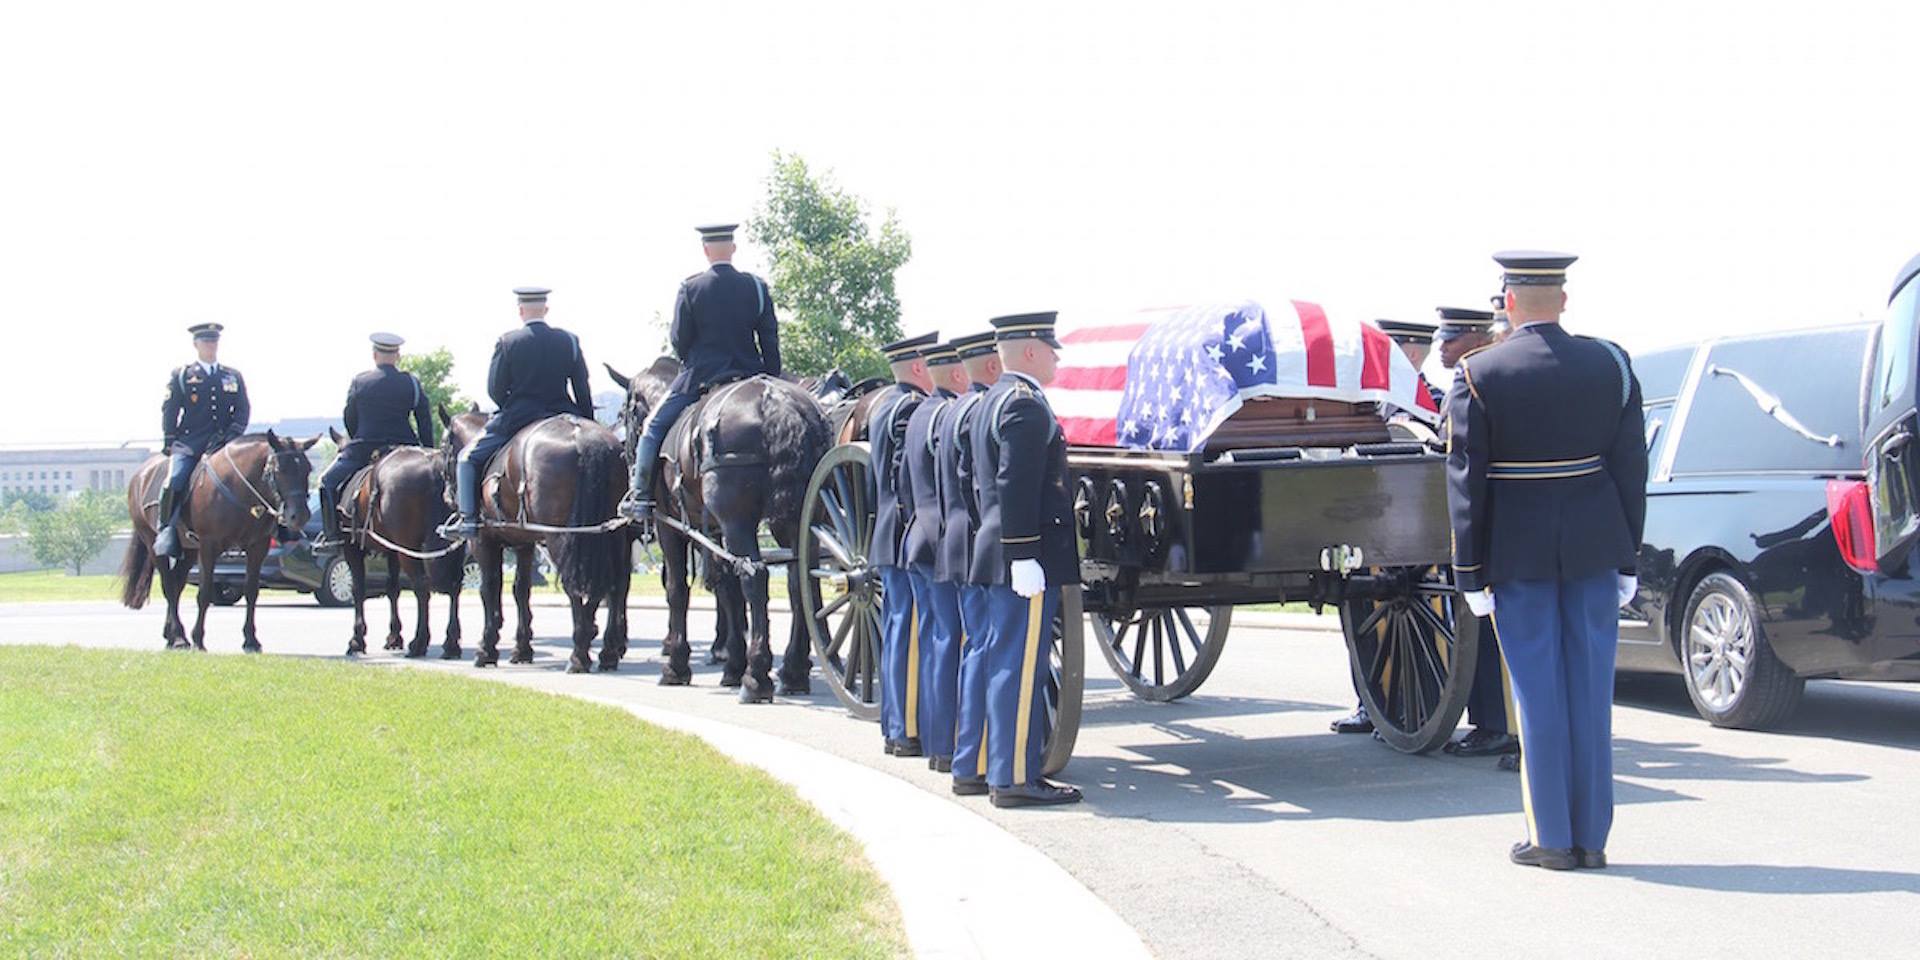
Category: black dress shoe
[940,764]
[969,786]
[1528,855]
[909,747]
[1510,763]
[1356,722]
[1590,859]
[1484,743]
[1039,793]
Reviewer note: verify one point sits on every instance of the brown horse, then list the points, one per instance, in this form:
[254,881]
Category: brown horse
[240,493]
[739,456]
[557,482]
[394,508]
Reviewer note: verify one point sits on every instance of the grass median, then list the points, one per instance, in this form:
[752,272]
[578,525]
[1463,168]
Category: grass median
[181,805]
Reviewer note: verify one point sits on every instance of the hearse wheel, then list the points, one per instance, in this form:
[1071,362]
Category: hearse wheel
[1732,675]
[1413,645]
[1163,653]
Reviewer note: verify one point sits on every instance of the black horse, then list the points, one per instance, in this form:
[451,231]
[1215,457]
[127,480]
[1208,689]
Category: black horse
[740,456]
[397,504]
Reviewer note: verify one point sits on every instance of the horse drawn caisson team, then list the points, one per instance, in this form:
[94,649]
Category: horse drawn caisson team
[950,536]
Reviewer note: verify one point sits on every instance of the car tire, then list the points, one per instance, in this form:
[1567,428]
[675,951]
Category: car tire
[336,584]
[1732,675]
[470,574]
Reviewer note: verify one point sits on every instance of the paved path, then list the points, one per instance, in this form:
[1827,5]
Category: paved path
[1233,825]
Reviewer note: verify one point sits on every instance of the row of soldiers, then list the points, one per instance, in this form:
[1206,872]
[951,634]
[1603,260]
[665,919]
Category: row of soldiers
[973,540]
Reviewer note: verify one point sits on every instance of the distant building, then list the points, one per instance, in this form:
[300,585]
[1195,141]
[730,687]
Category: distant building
[57,471]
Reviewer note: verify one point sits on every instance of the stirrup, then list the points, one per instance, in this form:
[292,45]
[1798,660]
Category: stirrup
[636,507]
[458,527]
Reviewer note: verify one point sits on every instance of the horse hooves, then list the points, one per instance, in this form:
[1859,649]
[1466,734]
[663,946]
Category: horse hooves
[716,659]
[609,666]
[727,681]
[395,643]
[757,693]
[251,647]
[487,660]
[450,653]
[415,653]
[670,679]
[791,689]
[520,658]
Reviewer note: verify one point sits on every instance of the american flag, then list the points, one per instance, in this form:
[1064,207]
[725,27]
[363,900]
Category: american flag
[1164,379]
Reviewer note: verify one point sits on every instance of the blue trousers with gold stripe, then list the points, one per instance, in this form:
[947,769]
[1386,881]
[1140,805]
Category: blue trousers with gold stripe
[970,715]
[899,656]
[1019,638]
[1558,638]
[937,606]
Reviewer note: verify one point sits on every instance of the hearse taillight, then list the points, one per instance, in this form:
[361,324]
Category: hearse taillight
[1851,514]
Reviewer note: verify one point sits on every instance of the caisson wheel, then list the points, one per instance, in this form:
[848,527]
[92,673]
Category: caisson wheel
[1732,675]
[840,590]
[1066,682]
[1163,653]
[1412,645]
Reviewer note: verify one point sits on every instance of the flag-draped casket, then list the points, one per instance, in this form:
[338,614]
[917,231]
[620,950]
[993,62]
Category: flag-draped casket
[1167,379]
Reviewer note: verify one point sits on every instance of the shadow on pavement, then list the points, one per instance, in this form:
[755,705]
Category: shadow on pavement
[1882,715]
[1761,878]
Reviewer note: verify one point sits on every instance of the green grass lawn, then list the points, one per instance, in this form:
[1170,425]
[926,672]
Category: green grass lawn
[43,585]
[176,805]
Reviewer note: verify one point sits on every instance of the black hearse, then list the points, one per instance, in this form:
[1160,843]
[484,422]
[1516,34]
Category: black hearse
[1783,502]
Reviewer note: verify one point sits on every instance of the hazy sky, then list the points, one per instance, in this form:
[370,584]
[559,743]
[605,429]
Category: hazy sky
[309,173]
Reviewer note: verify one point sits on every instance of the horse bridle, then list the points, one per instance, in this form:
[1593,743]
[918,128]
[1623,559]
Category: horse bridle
[269,474]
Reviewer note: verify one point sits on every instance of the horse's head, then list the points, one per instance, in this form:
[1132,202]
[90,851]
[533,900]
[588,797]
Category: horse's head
[288,473]
[462,429]
[644,391]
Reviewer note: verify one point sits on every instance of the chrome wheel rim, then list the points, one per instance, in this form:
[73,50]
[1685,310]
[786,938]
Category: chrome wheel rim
[1720,642]
[340,582]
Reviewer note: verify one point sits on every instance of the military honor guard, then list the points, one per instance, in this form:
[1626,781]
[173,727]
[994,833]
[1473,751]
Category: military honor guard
[953,561]
[379,404]
[205,406]
[936,602]
[1547,511]
[723,329]
[1461,332]
[1024,552]
[532,370]
[899,628]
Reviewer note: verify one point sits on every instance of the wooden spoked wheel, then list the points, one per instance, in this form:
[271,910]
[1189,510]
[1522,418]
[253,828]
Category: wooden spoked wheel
[1413,654]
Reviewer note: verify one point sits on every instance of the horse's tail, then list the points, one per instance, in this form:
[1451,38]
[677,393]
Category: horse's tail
[796,434]
[590,563]
[136,574]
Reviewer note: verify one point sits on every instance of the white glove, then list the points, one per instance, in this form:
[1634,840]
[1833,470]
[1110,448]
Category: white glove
[1480,601]
[1027,578]
[1629,585]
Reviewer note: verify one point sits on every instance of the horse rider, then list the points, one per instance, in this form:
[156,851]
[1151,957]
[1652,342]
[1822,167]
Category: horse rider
[528,380]
[205,407]
[723,329]
[1547,513]
[1415,341]
[379,403]
[899,634]
[954,555]
[935,602]
[1024,552]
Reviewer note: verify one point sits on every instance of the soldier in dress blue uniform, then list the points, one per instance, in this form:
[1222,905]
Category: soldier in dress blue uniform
[528,381]
[723,329]
[1024,552]
[379,403]
[899,627]
[205,406]
[1461,332]
[1547,510]
[953,560]
[936,602]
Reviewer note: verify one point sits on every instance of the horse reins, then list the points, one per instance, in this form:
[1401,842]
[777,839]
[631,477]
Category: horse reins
[266,507]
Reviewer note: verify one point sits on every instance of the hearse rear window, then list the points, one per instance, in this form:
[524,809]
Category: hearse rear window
[1814,375]
[1660,371]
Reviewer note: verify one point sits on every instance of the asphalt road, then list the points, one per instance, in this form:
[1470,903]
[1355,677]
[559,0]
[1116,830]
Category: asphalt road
[1233,824]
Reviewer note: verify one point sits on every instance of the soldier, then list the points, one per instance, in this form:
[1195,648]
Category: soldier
[205,406]
[1500,328]
[723,329]
[379,401]
[1547,513]
[1415,341]
[899,628]
[936,603]
[1024,552]
[528,381]
[954,557]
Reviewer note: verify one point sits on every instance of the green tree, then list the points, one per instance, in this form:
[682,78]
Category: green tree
[435,370]
[76,531]
[832,272]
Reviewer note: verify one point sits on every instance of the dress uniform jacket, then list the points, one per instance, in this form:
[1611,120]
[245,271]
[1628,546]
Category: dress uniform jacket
[958,509]
[886,438]
[920,479]
[531,371]
[1546,484]
[203,410]
[1020,483]
[724,328]
[379,403]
